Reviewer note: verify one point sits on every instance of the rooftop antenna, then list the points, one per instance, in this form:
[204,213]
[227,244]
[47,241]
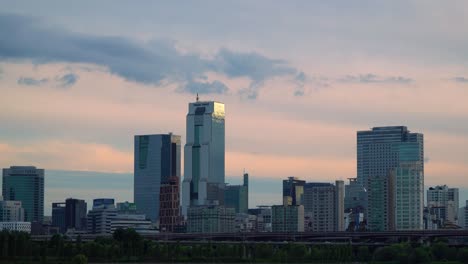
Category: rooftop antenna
[197,97]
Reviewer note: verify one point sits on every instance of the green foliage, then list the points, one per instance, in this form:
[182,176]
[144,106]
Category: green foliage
[129,246]
[80,259]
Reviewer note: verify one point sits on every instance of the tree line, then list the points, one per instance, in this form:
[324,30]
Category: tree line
[128,246]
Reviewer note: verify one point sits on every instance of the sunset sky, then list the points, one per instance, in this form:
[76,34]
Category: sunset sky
[79,79]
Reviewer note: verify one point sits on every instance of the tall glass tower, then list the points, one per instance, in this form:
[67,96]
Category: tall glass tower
[381,154]
[204,155]
[157,160]
[383,148]
[25,184]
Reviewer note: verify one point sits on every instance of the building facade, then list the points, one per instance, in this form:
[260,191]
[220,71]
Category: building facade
[99,220]
[237,196]
[11,211]
[169,210]
[383,148]
[408,197]
[75,214]
[287,218]
[293,189]
[25,184]
[157,159]
[324,206]
[210,219]
[379,151]
[16,226]
[58,216]
[443,203]
[204,159]
[264,218]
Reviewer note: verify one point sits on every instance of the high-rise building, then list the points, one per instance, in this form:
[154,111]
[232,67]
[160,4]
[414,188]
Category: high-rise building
[383,148]
[25,184]
[466,215]
[379,151]
[157,159]
[210,219]
[75,214]
[58,216]
[324,206]
[237,196]
[204,161]
[408,197]
[126,208]
[11,211]
[169,210]
[355,197]
[293,189]
[287,218]
[442,203]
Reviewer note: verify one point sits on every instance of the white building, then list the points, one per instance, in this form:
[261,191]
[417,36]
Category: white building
[11,211]
[204,155]
[138,222]
[16,226]
[442,203]
[324,206]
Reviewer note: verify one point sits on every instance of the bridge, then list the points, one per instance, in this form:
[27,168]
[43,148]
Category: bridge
[312,237]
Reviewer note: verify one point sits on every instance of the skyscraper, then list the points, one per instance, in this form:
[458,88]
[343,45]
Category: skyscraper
[383,148]
[25,184]
[293,189]
[75,214]
[237,196]
[379,152]
[157,159]
[204,155]
[58,216]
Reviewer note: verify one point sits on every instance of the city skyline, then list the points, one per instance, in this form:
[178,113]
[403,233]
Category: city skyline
[296,89]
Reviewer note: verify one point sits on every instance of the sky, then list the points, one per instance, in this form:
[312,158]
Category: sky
[79,79]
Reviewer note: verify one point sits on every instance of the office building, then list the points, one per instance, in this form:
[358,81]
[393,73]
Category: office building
[293,189]
[25,184]
[11,211]
[126,208]
[237,196]
[204,155]
[442,203]
[169,211]
[58,216]
[324,206]
[379,151]
[355,196]
[75,214]
[157,159]
[383,148]
[408,197]
[137,222]
[287,218]
[263,220]
[466,215]
[210,219]
[99,220]
[16,226]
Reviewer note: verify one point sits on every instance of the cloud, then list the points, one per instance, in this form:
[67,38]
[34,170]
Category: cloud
[67,80]
[155,62]
[460,79]
[31,81]
[373,78]
[215,87]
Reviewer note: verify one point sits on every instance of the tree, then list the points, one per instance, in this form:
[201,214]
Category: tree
[80,259]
